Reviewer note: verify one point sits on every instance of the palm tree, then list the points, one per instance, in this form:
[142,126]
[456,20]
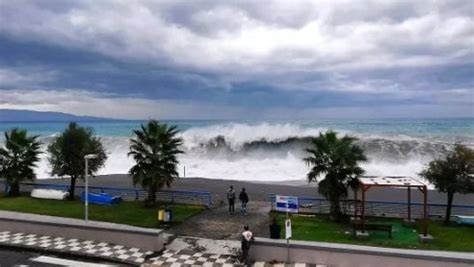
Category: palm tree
[154,148]
[18,158]
[336,160]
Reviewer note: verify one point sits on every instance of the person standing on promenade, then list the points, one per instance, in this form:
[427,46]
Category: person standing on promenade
[246,239]
[244,199]
[231,199]
[275,229]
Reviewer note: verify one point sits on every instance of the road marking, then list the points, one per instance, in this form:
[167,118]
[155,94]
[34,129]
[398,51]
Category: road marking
[63,262]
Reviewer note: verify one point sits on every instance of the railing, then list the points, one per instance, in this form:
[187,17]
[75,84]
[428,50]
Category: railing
[380,208]
[170,196]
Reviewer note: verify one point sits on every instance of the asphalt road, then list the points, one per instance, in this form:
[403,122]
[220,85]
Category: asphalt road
[14,257]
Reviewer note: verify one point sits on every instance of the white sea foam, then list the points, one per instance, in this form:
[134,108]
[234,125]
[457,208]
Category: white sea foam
[238,134]
[269,152]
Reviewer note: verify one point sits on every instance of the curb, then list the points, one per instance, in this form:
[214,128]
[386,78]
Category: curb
[63,253]
[430,255]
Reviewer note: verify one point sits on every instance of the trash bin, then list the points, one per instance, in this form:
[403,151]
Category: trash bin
[161,215]
[168,216]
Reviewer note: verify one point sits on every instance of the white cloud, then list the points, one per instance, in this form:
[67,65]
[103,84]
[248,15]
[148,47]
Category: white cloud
[25,76]
[82,102]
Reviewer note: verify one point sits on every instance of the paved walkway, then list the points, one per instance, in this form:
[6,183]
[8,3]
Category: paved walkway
[22,258]
[190,258]
[88,248]
[128,255]
[217,223]
[213,241]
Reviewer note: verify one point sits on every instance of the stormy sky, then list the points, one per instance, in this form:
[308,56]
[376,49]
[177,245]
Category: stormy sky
[238,59]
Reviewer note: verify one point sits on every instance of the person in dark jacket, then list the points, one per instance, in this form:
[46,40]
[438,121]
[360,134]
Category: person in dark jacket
[275,229]
[244,199]
[231,199]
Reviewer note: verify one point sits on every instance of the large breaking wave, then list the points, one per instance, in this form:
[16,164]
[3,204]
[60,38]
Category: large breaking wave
[274,152]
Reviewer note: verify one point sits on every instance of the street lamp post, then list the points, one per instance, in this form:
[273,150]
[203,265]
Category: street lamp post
[86,200]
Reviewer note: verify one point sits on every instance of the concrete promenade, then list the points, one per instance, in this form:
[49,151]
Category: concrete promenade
[211,239]
[143,238]
[217,223]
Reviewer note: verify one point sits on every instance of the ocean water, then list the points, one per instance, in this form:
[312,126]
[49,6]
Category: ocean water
[273,150]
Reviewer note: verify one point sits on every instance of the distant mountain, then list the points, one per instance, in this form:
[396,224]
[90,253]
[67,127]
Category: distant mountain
[13,115]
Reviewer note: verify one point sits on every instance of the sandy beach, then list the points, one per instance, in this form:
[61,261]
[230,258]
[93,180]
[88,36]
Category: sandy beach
[262,191]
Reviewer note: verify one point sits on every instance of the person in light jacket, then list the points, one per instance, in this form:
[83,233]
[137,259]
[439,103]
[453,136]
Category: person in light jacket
[246,240]
[231,199]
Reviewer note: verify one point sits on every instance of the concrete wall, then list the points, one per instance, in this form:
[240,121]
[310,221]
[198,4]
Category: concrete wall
[143,238]
[342,255]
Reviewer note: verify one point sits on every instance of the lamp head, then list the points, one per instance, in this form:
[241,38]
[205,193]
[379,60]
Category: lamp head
[90,156]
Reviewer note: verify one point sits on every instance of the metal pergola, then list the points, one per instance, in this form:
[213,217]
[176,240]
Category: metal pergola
[367,182]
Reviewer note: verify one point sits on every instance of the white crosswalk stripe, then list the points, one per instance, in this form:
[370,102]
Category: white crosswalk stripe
[64,262]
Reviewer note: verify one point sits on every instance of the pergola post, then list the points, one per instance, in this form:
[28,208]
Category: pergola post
[409,203]
[362,218]
[355,204]
[425,211]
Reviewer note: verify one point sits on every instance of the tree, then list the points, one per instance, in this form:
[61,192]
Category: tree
[18,158]
[453,174]
[336,160]
[154,148]
[67,153]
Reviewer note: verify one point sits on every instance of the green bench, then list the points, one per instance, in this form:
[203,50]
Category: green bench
[373,227]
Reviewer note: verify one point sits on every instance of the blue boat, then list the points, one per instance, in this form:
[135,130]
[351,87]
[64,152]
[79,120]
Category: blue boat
[101,198]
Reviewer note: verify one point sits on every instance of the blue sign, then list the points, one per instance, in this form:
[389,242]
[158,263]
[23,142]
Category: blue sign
[286,204]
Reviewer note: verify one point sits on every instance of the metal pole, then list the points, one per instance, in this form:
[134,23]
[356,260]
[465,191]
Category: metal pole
[184,171]
[86,202]
[287,242]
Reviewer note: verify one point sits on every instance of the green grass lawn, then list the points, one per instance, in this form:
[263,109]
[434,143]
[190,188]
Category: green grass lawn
[128,212]
[453,237]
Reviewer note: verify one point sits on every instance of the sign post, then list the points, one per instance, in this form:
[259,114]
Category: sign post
[289,205]
[287,236]
[287,228]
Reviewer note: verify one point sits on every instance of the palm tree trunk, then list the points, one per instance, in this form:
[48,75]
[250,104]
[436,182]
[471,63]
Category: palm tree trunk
[447,218]
[72,188]
[14,189]
[152,194]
